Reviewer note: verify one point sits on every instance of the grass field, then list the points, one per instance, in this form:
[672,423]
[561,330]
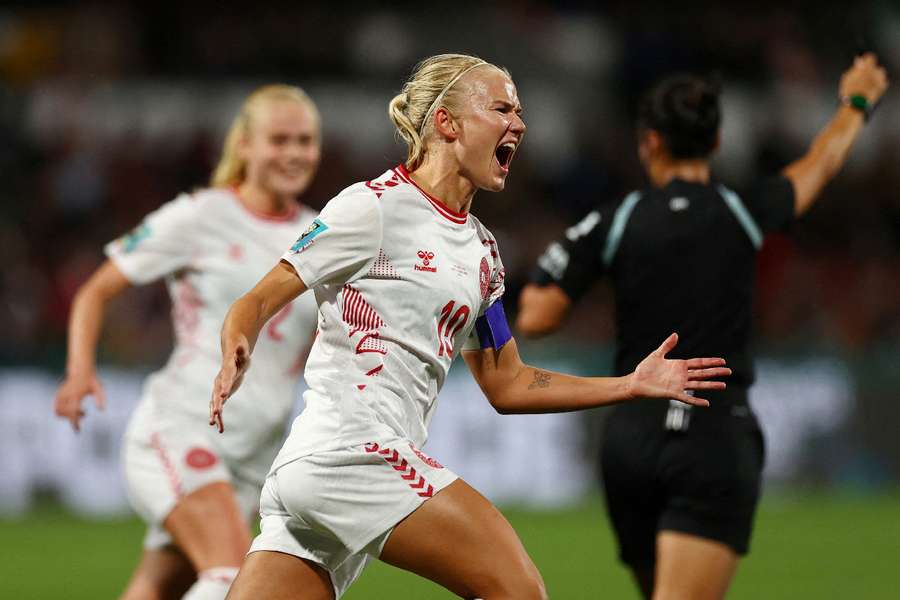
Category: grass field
[806,545]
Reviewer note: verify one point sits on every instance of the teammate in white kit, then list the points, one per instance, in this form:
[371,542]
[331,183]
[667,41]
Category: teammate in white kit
[197,490]
[404,276]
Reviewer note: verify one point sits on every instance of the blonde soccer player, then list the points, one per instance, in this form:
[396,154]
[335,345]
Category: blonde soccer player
[406,278]
[197,491]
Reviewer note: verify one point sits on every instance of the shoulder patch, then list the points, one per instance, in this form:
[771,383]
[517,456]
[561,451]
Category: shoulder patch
[306,238]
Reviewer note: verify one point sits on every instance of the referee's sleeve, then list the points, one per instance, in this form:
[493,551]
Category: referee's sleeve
[574,261]
[771,202]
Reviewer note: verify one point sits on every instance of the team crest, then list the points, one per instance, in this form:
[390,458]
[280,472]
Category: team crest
[200,458]
[306,238]
[484,278]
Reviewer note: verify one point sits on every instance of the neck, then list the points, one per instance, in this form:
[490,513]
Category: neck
[262,201]
[692,170]
[440,177]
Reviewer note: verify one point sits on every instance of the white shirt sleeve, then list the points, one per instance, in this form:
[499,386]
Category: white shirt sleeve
[496,288]
[160,245]
[342,243]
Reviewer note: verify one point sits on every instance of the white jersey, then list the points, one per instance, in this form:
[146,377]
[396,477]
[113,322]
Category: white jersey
[399,279]
[211,249]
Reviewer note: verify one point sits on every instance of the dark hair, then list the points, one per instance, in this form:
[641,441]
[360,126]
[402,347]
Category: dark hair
[684,109]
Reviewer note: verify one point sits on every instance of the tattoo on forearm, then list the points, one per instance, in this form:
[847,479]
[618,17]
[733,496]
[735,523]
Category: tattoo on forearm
[541,380]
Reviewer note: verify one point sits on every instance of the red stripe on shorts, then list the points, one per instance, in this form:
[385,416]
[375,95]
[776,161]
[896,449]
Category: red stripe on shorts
[168,467]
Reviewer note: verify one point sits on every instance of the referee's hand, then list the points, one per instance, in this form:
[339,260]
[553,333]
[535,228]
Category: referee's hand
[865,77]
[659,377]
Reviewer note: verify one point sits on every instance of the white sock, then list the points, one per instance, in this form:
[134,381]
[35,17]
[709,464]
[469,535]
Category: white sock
[212,584]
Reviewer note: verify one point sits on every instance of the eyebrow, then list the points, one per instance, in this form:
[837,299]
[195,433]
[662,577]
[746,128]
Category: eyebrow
[507,103]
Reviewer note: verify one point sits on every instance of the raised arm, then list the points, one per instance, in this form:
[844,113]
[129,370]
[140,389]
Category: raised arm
[514,387]
[861,86]
[85,323]
[542,309]
[244,321]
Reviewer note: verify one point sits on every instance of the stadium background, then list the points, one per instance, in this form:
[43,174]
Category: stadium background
[108,110]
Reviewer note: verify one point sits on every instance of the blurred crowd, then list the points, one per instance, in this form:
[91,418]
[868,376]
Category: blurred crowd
[108,110]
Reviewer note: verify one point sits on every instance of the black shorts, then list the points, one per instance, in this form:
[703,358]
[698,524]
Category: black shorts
[696,471]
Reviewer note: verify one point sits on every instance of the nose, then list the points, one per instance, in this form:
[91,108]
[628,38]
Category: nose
[517,125]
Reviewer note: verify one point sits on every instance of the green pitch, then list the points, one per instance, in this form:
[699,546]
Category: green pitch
[806,546]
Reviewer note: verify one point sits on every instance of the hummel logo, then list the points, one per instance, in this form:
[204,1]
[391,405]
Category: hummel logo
[426,257]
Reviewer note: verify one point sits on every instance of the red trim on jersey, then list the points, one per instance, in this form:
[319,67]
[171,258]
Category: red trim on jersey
[289,215]
[459,218]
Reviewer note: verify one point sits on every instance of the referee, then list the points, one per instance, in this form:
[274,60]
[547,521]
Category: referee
[682,484]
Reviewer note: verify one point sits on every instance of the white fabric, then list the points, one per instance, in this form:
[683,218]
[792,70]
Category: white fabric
[390,269]
[166,456]
[211,250]
[337,508]
[212,584]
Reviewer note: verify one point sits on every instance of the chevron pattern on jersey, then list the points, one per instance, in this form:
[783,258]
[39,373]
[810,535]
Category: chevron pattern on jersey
[407,472]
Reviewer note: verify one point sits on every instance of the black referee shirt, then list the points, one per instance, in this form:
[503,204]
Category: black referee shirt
[681,258]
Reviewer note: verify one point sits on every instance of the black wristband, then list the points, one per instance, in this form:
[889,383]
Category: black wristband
[858,102]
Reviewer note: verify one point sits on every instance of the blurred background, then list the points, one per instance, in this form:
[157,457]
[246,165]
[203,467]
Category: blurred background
[108,110]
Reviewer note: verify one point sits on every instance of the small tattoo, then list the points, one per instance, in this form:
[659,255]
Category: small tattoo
[541,380]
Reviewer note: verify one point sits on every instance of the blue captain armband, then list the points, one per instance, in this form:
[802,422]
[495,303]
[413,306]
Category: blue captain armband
[492,327]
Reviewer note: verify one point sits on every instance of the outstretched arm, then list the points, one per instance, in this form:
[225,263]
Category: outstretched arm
[828,151]
[85,323]
[244,321]
[514,387]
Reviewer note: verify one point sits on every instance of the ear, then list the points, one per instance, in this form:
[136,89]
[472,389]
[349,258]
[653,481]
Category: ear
[445,125]
[243,147]
[654,140]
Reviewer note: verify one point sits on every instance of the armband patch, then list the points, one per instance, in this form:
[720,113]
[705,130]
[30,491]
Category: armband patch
[492,327]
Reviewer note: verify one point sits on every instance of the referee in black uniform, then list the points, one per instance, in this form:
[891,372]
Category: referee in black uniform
[682,483]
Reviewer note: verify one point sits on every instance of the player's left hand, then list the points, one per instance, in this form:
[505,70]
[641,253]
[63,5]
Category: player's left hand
[234,365]
[659,377]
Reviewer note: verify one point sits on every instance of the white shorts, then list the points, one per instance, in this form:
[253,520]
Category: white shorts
[165,457]
[337,508]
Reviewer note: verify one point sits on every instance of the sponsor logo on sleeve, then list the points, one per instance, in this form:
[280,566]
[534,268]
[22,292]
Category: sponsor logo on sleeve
[130,240]
[308,236]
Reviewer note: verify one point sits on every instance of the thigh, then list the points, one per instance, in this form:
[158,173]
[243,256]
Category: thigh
[692,568]
[209,527]
[280,576]
[461,541]
[161,574]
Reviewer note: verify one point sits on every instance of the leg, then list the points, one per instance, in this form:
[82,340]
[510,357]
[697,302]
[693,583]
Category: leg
[162,574]
[278,576]
[461,541]
[689,567]
[208,526]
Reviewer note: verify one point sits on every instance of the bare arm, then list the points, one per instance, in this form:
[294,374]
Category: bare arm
[514,387]
[542,309]
[828,151]
[85,323]
[244,321]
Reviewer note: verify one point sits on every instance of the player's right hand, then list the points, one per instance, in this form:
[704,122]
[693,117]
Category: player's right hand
[234,364]
[72,391]
[865,77]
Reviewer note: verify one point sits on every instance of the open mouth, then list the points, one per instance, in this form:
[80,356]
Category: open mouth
[504,154]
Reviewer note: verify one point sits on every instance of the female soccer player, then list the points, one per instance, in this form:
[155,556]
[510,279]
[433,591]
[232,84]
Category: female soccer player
[196,490]
[404,275]
[682,485]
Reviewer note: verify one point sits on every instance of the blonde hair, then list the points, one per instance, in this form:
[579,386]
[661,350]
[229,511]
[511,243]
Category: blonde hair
[232,169]
[429,87]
